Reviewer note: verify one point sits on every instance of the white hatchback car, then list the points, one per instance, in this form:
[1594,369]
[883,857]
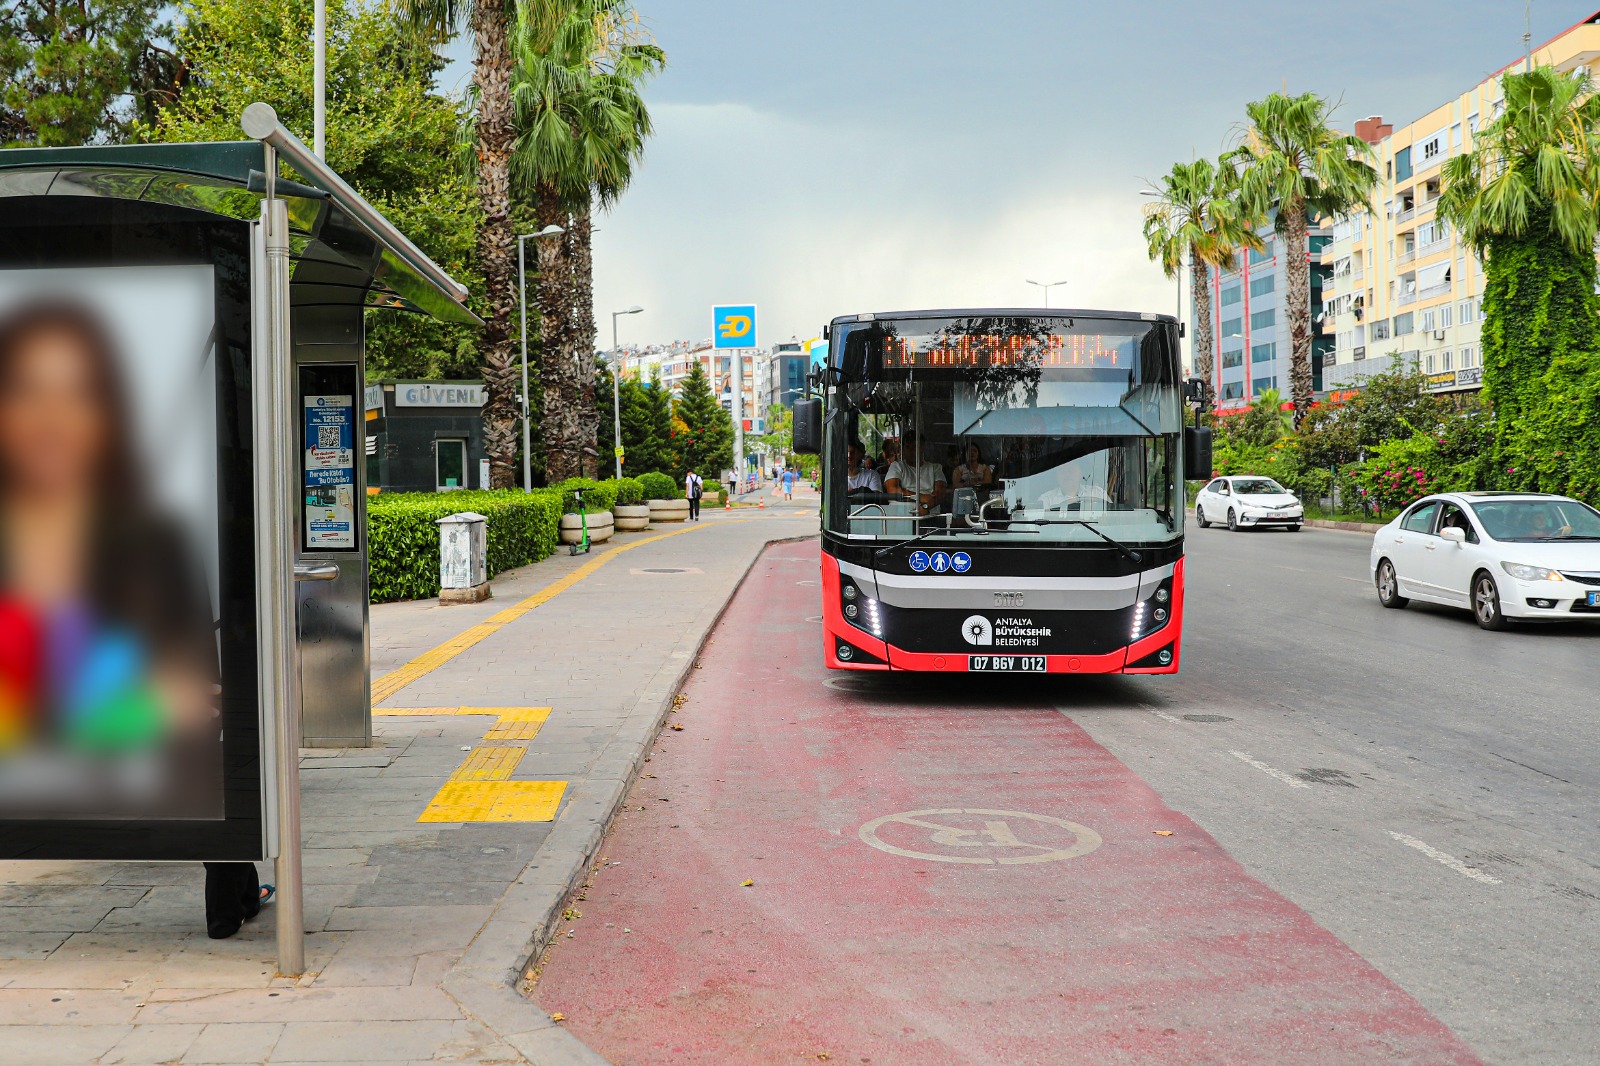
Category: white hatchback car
[1503,555]
[1248,502]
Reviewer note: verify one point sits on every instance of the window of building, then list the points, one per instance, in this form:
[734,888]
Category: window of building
[1265,319]
[1402,164]
[1444,361]
[1263,285]
[1472,122]
[1478,308]
[1233,358]
[1455,136]
[1380,330]
[1260,385]
[1446,313]
[1262,256]
[1464,311]
[1469,358]
[1402,324]
[1232,390]
[1427,364]
[1230,296]
[1432,148]
[1231,327]
[1427,321]
[1360,334]
[1264,353]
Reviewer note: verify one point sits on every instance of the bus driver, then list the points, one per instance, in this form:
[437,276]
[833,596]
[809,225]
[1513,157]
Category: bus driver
[907,477]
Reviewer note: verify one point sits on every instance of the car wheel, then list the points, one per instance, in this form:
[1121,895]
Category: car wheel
[1233,521]
[1389,587]
[1486,605]
[1200,517]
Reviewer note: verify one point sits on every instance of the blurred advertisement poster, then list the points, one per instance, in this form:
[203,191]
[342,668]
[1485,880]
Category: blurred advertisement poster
[330,472]
[109,545]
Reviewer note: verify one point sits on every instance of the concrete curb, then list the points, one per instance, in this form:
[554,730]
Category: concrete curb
[485,980]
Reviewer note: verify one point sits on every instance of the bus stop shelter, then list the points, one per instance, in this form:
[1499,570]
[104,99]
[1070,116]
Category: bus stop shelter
[256,264]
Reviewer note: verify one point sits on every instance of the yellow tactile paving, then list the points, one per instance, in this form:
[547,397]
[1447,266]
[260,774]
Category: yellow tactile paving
[422,711]
[487,764]
[496,801]
[397,679]
[518,723]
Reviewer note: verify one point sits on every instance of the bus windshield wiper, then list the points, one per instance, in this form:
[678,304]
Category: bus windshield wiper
[930,531]
[1131,554]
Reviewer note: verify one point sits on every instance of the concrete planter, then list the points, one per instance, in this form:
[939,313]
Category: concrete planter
[600,528]
[631,516]
[669,510]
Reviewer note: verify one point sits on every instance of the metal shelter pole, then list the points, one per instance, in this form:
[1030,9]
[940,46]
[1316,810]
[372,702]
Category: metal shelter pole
[738,414]
[522,300]
[319,78]
[277,654]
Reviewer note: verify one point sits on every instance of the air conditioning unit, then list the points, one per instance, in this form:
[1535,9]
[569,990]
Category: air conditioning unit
[1438,334]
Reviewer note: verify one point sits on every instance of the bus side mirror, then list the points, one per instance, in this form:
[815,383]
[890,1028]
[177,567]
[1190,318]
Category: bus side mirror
[808,426]
[1196,453]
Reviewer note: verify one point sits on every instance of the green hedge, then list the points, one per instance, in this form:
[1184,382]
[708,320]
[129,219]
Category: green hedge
[659,486]
[597,495]
[629,492]
[403,535]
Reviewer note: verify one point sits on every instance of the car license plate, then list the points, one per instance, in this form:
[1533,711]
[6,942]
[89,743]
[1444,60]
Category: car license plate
[991,664]
[1594,599]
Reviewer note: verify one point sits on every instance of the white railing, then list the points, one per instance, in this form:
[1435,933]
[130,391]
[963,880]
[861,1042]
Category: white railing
[1407,298]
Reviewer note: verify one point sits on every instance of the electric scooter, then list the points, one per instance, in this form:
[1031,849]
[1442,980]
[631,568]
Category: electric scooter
[582,547]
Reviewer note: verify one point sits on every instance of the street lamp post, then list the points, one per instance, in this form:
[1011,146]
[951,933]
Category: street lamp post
[1046,286]
[616,388]
[522,298]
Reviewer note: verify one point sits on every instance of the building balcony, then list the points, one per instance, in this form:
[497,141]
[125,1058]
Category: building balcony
[1406,298]
[1405,216]
[1406,256]
[1441,289]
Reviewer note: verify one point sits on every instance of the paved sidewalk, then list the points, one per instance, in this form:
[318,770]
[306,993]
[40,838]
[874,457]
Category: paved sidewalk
[417,931]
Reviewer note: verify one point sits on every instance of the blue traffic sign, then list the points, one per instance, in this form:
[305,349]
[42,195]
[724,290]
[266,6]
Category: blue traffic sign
[733,326]
[961,562]
[919,561]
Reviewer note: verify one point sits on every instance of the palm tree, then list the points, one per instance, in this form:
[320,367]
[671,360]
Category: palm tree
[581,125]
[1197,214]
[1292,162]
[491,23]
[1525,199]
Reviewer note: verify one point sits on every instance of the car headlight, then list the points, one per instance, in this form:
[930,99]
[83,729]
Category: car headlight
[1524,572]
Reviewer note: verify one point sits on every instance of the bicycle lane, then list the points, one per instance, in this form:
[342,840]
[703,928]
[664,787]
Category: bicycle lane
[936,875]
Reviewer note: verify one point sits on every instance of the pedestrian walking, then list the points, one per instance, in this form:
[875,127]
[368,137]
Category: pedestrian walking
[788,484]
[694,487]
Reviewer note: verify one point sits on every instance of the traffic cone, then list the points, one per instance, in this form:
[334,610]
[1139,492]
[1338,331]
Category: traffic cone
[761,502]
[727,502]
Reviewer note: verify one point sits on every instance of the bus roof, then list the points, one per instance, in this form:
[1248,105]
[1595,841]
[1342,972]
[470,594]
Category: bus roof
[1009,312]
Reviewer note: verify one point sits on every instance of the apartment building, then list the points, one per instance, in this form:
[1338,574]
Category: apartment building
[1251,324]
[1402,289]
[671,364]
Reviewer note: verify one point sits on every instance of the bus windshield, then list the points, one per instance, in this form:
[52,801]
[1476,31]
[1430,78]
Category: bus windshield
[1024,430]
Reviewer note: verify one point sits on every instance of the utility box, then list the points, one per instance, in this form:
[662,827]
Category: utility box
[463,558]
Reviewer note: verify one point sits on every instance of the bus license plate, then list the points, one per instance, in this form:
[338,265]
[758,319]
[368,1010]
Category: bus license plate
[989,664]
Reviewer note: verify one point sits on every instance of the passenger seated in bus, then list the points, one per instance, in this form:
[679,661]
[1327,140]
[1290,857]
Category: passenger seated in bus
[862,477]
[925,481]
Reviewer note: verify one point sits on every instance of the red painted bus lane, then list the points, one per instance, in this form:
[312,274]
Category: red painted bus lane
[943,870]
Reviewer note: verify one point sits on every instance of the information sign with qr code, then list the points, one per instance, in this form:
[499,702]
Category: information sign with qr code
[330,475]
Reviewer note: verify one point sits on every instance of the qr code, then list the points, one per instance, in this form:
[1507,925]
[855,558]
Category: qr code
[327,437]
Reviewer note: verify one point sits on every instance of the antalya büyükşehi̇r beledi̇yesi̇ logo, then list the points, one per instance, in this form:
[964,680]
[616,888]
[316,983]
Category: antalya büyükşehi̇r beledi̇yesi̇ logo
[977,630]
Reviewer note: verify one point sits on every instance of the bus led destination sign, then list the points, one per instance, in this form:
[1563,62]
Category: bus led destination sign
[1022,350]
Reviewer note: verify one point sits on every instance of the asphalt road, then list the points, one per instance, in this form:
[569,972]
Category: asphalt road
[1375,736]
[1376,842]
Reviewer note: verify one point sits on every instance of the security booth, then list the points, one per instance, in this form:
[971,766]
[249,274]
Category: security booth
[425,436]
[181,344]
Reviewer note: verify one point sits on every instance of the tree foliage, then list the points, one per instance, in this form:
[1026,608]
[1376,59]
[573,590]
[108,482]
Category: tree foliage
[389,134]
[702,428]
[78,71]
[1295,165]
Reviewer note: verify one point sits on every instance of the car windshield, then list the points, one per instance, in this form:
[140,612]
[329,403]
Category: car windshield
[1538,520]
[1256,486]
[1017,429]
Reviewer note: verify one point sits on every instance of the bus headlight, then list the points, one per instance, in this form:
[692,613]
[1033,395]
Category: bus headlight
[850,592]
[1151,614]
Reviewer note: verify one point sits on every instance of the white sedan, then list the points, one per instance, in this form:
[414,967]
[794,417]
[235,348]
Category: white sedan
[1503,555]
[1248,502]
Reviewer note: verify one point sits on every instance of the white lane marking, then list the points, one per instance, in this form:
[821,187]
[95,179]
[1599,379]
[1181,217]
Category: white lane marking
[1357,580]
[1444,857]
[1168,717]
[1271,771]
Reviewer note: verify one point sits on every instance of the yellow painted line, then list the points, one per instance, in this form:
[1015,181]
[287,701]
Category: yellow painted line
[487,764]
[496,801]
[395,680]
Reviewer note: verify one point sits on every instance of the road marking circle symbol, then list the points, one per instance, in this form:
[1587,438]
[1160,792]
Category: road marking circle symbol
[1006,838]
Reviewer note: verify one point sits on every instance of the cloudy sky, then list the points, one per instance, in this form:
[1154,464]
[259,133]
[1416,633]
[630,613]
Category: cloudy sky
[824,157]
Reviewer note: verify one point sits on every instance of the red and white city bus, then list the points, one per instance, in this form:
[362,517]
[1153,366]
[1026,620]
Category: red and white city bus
[1002,491]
